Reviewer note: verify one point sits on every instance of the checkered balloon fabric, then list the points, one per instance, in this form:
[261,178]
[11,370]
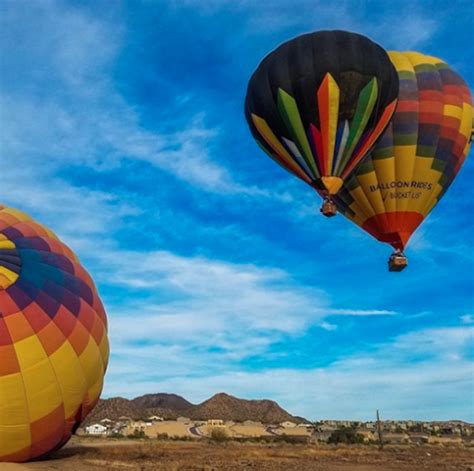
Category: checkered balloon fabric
[53,339]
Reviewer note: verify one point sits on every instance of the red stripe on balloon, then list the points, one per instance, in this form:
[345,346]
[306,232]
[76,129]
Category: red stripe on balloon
[318,145]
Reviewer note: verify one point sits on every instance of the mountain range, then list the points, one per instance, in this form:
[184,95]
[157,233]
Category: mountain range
[171,406]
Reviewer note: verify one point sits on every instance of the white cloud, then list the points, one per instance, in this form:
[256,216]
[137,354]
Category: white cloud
[435,342]
[382,23]
[66,110]
[196,315]
[212,295]
[467,319]
[360,312]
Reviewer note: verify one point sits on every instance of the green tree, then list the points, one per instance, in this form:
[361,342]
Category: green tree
[346,435]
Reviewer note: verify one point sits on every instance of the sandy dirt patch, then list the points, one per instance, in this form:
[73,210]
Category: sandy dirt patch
[201,455]
[172,428]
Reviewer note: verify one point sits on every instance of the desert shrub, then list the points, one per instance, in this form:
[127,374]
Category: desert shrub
[137,434]
[218,434]
[290,439]
[347,435]
[116,435]
[162,436]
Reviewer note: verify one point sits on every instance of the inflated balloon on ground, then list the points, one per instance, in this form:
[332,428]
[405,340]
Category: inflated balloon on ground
[53,340]
[419,155]
[318,103]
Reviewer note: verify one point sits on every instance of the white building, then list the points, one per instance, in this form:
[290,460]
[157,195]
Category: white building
[287,424]
[155,418]
[215,423]
[96,429]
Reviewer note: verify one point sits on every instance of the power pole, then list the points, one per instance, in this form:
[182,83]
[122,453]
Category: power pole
[379,430]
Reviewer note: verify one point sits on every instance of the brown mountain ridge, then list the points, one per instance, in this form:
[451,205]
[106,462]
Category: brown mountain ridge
[171,406]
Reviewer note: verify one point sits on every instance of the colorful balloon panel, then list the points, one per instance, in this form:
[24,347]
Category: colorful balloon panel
[317,104]
[418,156]
[53,339]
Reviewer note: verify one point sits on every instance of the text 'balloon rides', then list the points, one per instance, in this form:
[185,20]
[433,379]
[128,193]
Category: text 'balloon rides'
[418,156]
[53,340]
[318,103]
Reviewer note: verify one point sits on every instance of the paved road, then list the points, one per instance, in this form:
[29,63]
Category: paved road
[195,431]
[270,431]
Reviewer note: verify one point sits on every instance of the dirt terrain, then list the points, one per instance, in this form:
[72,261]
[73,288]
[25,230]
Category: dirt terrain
[98,454]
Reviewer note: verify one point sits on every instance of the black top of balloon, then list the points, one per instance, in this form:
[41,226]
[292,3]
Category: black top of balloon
[299,65]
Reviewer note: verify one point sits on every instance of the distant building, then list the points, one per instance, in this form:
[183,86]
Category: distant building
[139,425]
[287,424]
[96,429]
[155,418]
[215,423]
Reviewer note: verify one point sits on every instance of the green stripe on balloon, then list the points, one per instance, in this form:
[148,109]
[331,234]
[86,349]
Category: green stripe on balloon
[365,105]
[382,153]
[288,110]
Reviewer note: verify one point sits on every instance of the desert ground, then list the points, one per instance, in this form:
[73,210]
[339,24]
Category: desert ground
[83,454]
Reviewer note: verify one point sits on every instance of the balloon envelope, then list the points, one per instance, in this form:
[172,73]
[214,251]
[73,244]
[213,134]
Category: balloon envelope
[318,103]
[418,156]
[53,340]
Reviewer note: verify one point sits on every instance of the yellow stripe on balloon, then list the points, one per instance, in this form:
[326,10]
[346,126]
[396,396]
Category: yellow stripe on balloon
[400,61]
[42,390]
[11,276]
[466,121]
[6,244]
[264,129]
[453,111]
[374,198]
[385,171]
[364,204]
[20,215]
[417,58]
[328,100]
[405,164]
[74,386]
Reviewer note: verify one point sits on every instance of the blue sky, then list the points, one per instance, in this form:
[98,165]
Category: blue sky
[123,130]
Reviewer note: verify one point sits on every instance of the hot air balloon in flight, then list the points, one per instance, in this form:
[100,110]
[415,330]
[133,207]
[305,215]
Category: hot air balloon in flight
[53,340]
[416,159]
[318,103]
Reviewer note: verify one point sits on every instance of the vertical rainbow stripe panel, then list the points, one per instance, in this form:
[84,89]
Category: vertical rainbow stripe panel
[325,155]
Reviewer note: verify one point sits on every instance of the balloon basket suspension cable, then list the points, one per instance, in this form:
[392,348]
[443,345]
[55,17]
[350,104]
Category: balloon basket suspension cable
[328,207]
[397,261]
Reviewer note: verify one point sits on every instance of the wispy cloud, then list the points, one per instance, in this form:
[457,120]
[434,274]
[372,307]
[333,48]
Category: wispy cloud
[361,312]
[81,118]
